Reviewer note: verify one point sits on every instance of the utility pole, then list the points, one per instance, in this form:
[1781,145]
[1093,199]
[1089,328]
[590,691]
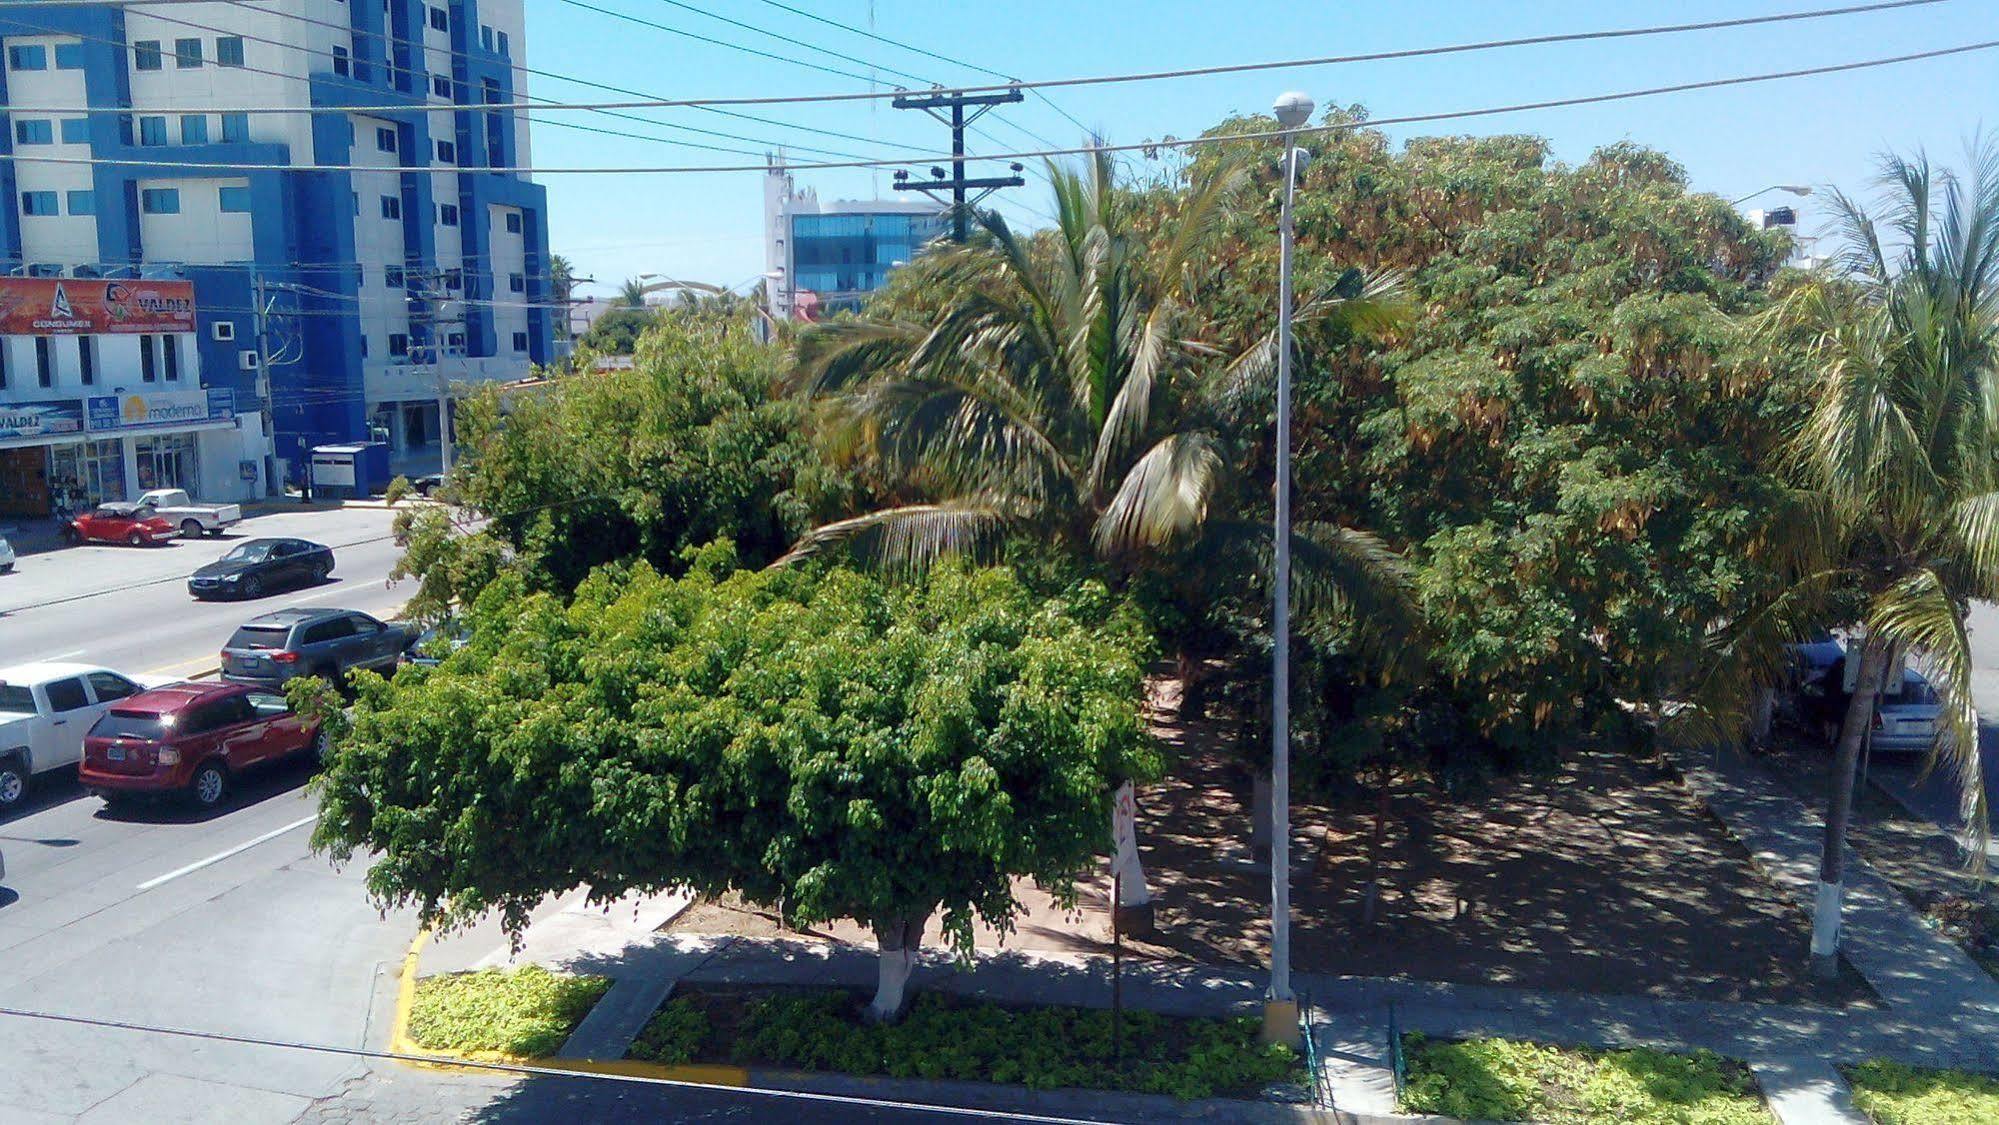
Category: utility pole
[422,309]
[958,183]
[262,309]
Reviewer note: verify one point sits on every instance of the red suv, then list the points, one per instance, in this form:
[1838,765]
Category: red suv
[191,739]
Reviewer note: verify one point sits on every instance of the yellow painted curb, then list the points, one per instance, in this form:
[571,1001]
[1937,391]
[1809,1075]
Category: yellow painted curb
[442,1058]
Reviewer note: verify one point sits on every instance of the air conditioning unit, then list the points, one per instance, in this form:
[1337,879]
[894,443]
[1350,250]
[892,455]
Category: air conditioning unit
[247,359]
[223,330]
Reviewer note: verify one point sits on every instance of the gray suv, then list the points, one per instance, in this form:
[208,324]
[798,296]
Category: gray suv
[275,647]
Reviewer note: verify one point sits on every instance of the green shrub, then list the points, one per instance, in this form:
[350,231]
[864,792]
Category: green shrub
[940,1037]
[1893,1094]
[675,1034]
[1503,1080]
[527,1011]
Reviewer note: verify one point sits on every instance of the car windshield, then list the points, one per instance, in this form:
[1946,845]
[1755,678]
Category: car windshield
[249,552]
[131,724]
[1915,691]
[16,697]
[260,636]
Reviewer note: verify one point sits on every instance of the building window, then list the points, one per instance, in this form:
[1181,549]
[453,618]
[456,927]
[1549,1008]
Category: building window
[86,359]
[170,352]
[69,56]
[146,54]
[44,269]
[485,37]
[39,203]
[448,214]
[399,345]
[235,128]
[152,130]
[45,361]
[194,129]
[76,130]
[513,222]
[187,54]
[160,201]
[520,341]
[447,153]
[517,283]
[340,61]
[82,203]
[385,139]
[147,370]
[229,51]
[456,342]
[392,208]
[393,277]
[454,278]
[440,85]
[27,58]
[34,131]
[234,200]
[440,19]
[503,43]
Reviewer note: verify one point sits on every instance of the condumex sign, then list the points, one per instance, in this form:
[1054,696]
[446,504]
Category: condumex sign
[79,306]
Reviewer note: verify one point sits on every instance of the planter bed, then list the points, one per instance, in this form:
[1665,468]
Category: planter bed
[1507,1080]
[527,1012]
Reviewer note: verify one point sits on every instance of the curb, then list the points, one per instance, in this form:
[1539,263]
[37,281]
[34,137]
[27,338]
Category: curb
[419,1057]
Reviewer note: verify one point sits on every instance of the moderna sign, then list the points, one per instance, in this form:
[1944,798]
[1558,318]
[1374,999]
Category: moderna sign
[81,306]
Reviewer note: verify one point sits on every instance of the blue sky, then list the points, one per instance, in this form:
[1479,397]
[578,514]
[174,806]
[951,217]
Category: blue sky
[1821,130]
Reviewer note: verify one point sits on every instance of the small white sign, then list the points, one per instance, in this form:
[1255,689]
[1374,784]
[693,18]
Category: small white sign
[1124,819]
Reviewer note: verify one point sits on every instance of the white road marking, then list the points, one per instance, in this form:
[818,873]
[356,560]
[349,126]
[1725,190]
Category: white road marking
[218,857]
[57,656]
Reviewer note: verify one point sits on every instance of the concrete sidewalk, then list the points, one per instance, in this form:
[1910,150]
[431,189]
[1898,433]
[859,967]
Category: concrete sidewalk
[1939,1009]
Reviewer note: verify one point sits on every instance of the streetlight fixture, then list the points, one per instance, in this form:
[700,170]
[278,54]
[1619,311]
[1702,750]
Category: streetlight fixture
[1280,1006]
[1799,190]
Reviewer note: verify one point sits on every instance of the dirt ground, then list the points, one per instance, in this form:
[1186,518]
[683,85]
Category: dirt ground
[1603,877]
[1924,862]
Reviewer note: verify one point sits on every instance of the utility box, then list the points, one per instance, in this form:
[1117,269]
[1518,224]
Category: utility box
[350,471]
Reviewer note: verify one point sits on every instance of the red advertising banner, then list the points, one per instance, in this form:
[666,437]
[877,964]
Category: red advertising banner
[82,306]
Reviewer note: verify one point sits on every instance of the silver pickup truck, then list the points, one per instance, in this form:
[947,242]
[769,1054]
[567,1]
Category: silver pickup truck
[176,507]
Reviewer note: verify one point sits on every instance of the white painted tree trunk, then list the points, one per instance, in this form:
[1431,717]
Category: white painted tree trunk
[1761,716]
[900,939]
[1133,908]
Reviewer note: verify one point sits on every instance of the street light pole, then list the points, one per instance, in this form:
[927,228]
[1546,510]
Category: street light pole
[1280,1010]
[1799,190]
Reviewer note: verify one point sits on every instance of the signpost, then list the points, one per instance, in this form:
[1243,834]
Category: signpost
[1124,841]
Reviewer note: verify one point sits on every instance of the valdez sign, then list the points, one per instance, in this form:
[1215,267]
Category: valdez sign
[80,306]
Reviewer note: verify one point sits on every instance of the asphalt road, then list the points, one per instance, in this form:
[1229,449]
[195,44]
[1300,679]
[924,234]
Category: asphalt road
[227,922]
[127,608]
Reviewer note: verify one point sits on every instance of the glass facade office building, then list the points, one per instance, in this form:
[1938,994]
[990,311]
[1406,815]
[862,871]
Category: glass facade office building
[842,257]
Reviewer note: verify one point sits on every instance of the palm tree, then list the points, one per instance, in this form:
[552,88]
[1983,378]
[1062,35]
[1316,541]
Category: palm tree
[1063,384]
[632,294]
[1898,462]
[561,283]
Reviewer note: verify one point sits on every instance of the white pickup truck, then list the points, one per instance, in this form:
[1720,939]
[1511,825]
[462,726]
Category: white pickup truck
[45,710]
[176,507]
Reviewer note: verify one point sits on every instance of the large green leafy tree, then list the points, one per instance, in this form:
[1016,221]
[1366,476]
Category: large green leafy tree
[689,445]
[821,742]
[1574,443]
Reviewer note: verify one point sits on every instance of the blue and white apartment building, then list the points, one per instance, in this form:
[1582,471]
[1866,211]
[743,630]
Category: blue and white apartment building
[382,283]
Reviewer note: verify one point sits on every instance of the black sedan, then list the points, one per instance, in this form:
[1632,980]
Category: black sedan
[259,565]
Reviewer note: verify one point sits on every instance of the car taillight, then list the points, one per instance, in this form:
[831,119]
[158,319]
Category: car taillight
[285,657]
[169,757]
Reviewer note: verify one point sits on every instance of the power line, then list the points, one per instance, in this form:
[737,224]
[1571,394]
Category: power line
[1106,78]
[643,22]
[559,77]
[414,107]
[1096,80]
[1137,146]
[794,42]
[939,57]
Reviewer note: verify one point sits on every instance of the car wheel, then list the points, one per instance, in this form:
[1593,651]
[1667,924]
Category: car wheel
[322,745]
[13,782]
[6,568]
[320,571]
[136,539]
[210,785]
[253,587]
[191,528]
